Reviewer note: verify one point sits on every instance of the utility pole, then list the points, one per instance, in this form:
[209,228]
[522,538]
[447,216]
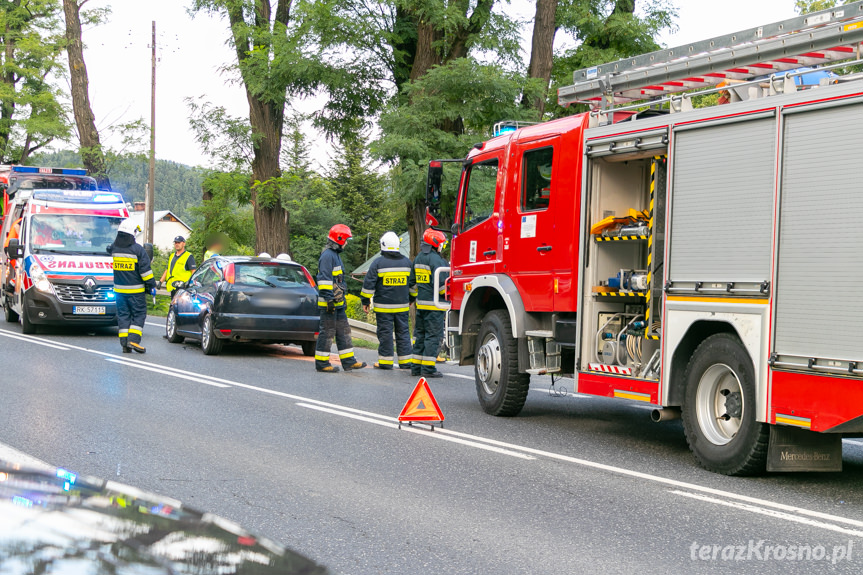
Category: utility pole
[151,185]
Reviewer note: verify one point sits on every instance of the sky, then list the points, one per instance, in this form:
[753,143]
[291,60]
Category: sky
[192,52]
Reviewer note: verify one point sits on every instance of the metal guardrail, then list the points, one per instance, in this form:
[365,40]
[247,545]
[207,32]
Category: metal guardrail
[363,330]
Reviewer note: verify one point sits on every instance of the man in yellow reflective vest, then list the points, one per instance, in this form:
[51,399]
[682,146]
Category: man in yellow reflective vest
[181,264]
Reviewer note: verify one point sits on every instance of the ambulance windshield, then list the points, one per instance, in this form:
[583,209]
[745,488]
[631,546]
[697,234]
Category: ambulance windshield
[72,234]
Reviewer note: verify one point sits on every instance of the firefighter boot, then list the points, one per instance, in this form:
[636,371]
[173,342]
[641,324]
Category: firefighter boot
[137,347]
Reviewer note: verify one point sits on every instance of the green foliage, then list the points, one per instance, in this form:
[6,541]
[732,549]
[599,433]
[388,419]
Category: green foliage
[178,187]
[452,107]
[354,310]
[807,6]
[227,213]
[31,114]
[160,309]
[607,30]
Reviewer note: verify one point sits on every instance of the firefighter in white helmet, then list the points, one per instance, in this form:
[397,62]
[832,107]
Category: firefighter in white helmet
[387,284]
[133,279]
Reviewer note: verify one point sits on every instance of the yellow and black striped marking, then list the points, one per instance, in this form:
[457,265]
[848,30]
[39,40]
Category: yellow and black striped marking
[619,294]
[620,238]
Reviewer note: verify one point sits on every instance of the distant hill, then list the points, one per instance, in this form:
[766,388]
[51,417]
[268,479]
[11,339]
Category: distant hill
[178,186]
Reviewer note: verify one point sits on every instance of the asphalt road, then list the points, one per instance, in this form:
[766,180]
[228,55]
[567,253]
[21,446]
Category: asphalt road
[574,484]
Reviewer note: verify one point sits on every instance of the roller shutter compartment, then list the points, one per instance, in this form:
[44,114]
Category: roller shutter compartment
[819,286]
[722,202]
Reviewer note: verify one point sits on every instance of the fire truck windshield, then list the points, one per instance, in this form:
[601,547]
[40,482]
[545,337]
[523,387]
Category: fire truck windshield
[72,234]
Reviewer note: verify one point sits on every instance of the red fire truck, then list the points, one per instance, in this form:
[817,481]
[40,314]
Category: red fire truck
[704,260]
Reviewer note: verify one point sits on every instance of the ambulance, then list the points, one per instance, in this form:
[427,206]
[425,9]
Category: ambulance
[54,267]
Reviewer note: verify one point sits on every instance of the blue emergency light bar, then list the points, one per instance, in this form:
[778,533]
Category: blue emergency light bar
[49,171]
[79,196]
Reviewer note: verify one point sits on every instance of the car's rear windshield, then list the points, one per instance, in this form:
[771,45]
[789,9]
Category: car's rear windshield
[270,275]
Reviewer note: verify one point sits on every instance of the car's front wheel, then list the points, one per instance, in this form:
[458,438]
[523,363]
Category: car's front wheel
[210,344]
[171,327]
[26,325]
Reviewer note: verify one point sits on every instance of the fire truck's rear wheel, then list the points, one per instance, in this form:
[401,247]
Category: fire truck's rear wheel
[719,409]
[501,389]
[11,316]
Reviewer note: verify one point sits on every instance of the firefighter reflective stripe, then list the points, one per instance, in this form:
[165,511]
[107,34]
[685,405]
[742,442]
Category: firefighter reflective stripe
[406,361]
[413,291]
[139,288]
[324,284]
[427,305]
[323,303]
[124,333]
[322,357]
[366,294]
[383,361]
[391,307]
[427,361]
[147,276]
[125,264]
[337,271]
[423,273]
[136,330]
[346,353]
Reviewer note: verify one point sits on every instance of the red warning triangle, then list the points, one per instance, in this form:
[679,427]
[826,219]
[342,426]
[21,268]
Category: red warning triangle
[422,405]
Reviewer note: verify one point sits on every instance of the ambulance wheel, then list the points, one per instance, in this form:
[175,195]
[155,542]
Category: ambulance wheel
[26,326]
[11,316]
[309,348]
[171,327]
[719,409]
[210,344]
[501,389]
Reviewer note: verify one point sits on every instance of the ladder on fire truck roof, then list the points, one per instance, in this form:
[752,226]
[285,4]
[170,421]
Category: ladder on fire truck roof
[817,39]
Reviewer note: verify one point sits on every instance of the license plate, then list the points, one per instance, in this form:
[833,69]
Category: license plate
[88,310]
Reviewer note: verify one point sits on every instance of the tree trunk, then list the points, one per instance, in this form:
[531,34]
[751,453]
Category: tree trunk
[7,106]
[91,147]
[542,50]
[271,218]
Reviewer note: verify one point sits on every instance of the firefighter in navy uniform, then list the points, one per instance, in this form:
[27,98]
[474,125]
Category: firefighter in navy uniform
[332,289]
[387,283]
[429,322]
[133,279]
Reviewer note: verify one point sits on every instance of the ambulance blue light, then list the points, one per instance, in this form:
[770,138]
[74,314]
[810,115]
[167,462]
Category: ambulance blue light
[21,501]
[74,172]
[25,170]
[111,295]
[107,199]
[67,475]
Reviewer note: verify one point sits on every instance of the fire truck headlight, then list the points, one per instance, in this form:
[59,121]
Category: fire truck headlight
[40,280]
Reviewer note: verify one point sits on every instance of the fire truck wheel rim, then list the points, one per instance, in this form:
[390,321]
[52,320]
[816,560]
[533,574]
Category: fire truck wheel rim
[719,404]
[488,364]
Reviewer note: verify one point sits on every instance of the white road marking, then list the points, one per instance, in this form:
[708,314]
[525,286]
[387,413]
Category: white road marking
[458,375]
[166,372]
[424,433]
[794,511]
[11,455]
[771,513]
[12,335]
[154,324]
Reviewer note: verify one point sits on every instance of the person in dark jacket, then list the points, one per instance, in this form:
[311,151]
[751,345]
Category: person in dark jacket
[387,283]
[429,321]
[133,279]
[332,288]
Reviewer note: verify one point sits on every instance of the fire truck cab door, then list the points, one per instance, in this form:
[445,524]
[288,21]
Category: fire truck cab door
[476,250]
[529,238]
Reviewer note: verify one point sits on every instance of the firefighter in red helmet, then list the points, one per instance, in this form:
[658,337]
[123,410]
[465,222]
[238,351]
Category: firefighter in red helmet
[332,289]
[429,321]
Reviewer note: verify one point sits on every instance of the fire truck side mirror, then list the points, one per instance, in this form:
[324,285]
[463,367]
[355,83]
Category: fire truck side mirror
[149,249]
[15,251]
[433,188]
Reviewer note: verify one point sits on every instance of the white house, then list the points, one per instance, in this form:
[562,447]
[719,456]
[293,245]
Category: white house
[166,227]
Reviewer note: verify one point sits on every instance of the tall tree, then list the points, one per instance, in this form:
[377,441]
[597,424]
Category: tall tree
[31,116]
[88,135]
[262,41]
[807,6]
[542,50]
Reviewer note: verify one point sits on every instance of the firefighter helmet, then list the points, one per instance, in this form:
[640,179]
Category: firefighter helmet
[340,233]
[390,242]
[435,238]
[128,226]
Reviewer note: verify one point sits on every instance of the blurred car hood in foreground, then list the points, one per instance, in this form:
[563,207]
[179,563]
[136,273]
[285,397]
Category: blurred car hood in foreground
[59,522]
